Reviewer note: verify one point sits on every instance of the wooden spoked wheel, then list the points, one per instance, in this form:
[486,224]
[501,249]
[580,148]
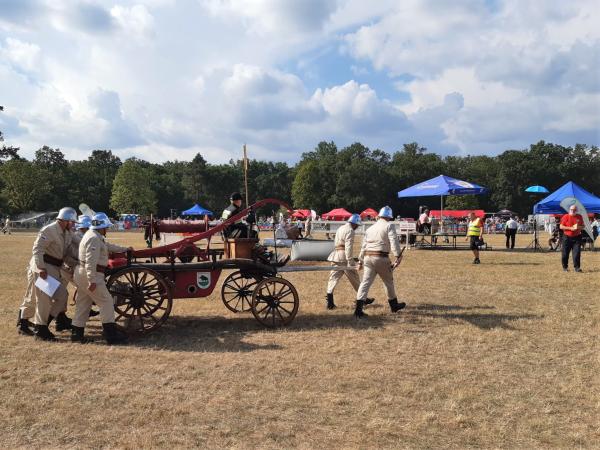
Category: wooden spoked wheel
[237,290]
[275,302]
[143,299]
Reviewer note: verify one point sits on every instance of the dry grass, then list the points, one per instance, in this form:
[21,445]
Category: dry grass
[501,355]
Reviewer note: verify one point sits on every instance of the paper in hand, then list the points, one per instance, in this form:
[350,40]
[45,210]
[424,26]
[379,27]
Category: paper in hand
[47,286]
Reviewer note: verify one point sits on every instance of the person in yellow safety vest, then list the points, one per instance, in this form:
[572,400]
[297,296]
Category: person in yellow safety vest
[474,235]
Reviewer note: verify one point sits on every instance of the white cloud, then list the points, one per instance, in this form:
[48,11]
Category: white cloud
[136,20]
[275,16]
[165,79]
[22,55]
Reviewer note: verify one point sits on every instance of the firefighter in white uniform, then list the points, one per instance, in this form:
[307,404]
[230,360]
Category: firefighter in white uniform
[380,239]
[341,256]
[49,251]
[91,286]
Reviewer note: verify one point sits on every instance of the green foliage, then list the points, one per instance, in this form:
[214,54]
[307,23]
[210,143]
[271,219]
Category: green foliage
[54,167]
[461,202]
[354,177]
[314,186]
[23,184]
[132,191]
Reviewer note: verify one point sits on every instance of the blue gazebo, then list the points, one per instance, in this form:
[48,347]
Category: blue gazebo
[442,185]
[551,203]
[197,210]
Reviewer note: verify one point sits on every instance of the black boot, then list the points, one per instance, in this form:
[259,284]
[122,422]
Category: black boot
[94,313]
[395,306]
[369,301]
[358,311]
[77,335]
[42,332]
[24,326]
[63,322]
[330,304]
[113,335]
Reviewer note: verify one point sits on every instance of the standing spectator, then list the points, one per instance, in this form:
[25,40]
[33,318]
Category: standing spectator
[474,235]
[511,232]
[6,228]
[307,234]
[595,227]
[572,225]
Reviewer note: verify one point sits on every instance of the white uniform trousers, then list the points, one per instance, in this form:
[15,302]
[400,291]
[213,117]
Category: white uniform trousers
[84,299]
[44,305]
[336,275]
[373,266]
[28,306]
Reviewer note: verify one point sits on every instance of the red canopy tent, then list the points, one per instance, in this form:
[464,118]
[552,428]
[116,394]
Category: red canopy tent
[336,214]
[301,213]
[459,213]
[369,212]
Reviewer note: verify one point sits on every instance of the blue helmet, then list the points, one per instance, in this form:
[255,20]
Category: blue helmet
[386,212]
[84,222]
[354,219]
[99,221]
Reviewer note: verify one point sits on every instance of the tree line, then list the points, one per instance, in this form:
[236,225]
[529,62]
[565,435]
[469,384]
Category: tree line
[354,177]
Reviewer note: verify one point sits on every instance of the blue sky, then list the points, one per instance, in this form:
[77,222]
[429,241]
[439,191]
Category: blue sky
[166,79]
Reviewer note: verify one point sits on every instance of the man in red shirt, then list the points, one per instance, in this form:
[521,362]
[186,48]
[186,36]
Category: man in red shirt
[572,225]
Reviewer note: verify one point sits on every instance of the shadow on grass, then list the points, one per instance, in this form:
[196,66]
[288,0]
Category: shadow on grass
[434,307]
[227,334]
[511,263]
[484,321]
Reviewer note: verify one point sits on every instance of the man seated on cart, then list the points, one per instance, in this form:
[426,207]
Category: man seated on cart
[239,229]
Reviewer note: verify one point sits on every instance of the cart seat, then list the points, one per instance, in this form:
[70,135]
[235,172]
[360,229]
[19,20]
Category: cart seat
[239,248]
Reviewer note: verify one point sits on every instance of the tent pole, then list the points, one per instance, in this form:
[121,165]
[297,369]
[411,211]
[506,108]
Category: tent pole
[441,213]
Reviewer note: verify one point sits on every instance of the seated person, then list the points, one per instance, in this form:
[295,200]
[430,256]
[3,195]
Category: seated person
[238,229]
[424,223]
[555,239]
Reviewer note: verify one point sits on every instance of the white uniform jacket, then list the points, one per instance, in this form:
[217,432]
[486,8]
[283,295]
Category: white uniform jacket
[380,237]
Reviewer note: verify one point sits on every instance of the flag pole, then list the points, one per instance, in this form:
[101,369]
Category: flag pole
[246,175]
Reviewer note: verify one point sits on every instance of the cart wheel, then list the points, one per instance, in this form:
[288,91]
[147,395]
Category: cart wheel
[236,291]
[143,299]
[275,302]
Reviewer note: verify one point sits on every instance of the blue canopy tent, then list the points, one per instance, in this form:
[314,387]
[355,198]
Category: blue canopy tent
[197,210]
[551,203]
[442,185]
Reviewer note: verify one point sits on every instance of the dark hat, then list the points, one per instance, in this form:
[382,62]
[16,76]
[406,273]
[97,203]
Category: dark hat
[235,196]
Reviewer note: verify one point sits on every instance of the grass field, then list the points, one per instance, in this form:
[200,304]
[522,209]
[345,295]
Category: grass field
[500,355]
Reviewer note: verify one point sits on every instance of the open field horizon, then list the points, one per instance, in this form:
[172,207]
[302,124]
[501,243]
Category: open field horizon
[498,355]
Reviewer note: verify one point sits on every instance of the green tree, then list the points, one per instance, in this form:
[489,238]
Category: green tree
[315,183]
[461,202]
[167,184]
[410,166]
[220,181]
[23,183]
[363,180]
[132,191]
[194,179]
[53,166]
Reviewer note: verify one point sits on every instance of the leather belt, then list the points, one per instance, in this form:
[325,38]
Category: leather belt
[99,268]
[340,247]
[376,253]
[52,260]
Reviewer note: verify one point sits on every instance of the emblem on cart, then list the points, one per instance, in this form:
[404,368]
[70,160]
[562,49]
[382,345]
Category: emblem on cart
[203,279]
